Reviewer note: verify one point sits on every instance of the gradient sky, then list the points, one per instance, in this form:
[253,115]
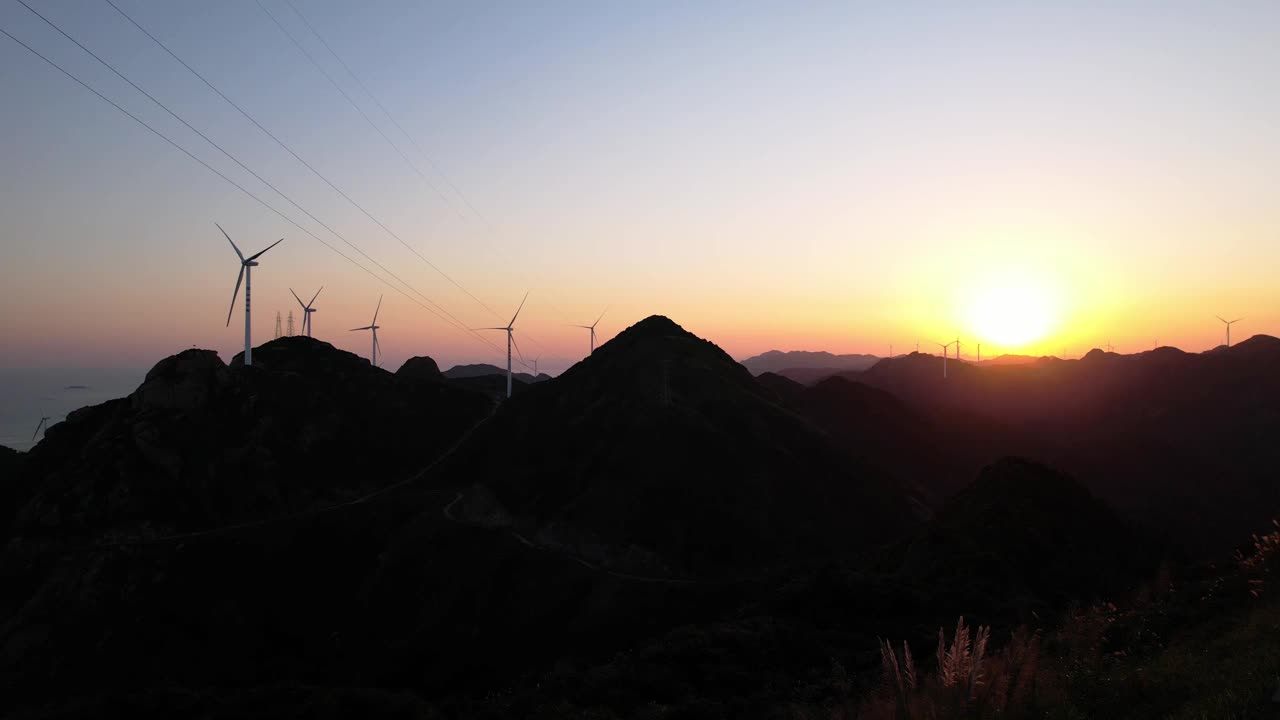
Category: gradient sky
[796,176]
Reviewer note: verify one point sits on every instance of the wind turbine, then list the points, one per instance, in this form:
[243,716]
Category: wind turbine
[307,310]
[246,267]
[44,423]
[371,327]
[592,328]
[1228,323]
[535,367]
[957,348]
[510,328]
[944,357]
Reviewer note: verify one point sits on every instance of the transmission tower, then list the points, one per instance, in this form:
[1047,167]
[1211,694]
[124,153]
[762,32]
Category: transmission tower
[290,323]
[277,324]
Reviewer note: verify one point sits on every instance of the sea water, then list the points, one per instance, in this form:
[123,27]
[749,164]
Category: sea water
[28,394]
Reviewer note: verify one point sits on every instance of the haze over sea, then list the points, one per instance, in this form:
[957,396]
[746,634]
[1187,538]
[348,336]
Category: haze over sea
[28,393]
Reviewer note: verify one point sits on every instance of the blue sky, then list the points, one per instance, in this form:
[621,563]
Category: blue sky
[826,176]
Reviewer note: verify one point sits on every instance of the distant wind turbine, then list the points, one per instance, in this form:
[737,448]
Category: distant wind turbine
[44,423]
[957,348]
[1228,323]
[306,310]
[510,329]
[246,267]
[373,328]
[944,357]
[535,366]
[592,328]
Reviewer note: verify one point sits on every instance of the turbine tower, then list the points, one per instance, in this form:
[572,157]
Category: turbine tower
[535,367]
[246,268]
[44,423]
[944,357]
[371,327]
[592,328]
[509,329]
[1228,323]
[307,310]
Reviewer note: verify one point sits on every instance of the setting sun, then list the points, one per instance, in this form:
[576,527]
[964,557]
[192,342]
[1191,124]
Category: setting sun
[1013,311]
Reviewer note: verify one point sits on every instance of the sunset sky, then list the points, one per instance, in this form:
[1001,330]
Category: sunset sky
[838,177]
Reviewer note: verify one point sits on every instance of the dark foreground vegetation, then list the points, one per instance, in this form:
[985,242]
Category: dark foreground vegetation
[653,534]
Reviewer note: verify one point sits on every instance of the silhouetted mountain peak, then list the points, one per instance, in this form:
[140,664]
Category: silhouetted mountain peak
[183,381]
[659,360]
[420,368]
[1257,344]
[654,325]
[301,354]
[1024,532]
[661,452]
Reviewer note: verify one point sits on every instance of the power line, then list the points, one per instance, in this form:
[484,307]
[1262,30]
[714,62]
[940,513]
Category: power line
[353,103]
[377,129]
[480,216]
[451,318]
[386,112]
[233,158]
[221,175]
[295,155]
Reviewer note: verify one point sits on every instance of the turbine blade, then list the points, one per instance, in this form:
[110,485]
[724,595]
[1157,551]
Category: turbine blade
[1233,322]
[235,294]
[375,312]
[1220,318]
[513,317]
[597,322]
[313,297]
[366,327]
[295,297]
[516,344]
[233,245]
[264,250]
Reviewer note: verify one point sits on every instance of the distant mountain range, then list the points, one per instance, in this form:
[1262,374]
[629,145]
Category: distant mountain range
[481,369]
[777,361]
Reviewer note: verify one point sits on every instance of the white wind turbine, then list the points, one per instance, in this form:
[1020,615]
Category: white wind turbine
[509,329]
[1228,323]
[306,310]
[44,423]
[592,328]
[246,267]
[944,356]
[373,328]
